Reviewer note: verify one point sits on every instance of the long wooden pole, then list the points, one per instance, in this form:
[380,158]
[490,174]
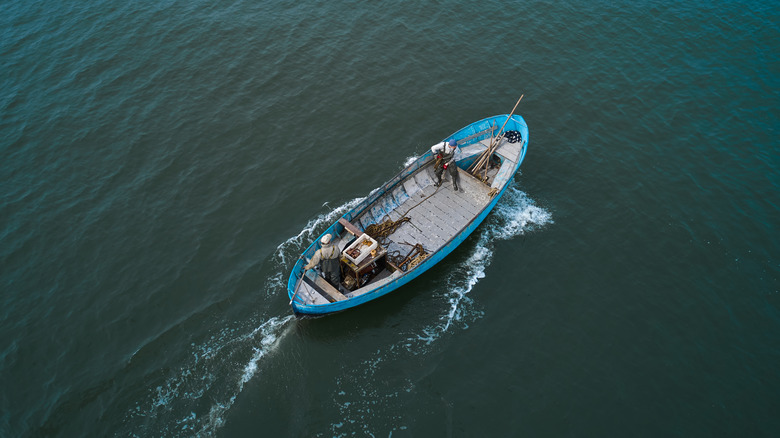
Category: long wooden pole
[487,161]
[510,114]
[481,159]
[485,157]
[477,163]
[494,141]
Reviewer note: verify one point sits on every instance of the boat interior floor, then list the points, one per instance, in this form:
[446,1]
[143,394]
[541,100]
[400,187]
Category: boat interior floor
[436,214]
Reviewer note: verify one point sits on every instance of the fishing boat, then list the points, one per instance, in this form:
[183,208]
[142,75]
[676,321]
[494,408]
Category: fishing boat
[409,224]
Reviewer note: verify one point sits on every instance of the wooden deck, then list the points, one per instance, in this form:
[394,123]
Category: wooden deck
[315,290]
[324,288]
[436,214]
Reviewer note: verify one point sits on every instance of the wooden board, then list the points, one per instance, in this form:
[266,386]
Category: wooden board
[355,231]
[324,288]
[437,215]
[510,151]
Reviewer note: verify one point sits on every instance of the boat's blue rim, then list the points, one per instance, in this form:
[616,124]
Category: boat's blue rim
[327,308]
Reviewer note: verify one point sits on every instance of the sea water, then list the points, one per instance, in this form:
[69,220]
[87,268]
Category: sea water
[165,163]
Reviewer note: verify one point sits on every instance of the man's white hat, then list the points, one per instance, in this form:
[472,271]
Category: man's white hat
[325,239]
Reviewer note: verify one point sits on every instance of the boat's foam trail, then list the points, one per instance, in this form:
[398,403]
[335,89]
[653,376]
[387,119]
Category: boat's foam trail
[294,246]
[178,406]
[271,331]
[195,400]
[311,229]
[514,214]
[208,373]
[382,391]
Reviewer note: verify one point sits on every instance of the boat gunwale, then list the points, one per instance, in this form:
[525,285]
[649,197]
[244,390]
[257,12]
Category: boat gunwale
[444,250]
[409,275]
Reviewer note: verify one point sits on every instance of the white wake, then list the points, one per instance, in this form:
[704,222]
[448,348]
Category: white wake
[514,215]
[196,399]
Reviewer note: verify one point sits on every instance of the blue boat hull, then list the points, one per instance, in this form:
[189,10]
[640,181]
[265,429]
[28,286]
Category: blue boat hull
[468,135]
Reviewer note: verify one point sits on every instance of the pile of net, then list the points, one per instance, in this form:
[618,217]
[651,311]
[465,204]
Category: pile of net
[380,232]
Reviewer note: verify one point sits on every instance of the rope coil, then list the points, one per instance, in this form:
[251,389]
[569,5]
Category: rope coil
[380,232]
[414,258]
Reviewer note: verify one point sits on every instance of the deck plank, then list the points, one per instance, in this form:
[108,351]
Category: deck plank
[427,218]
[414,232]
[355,231]
[510,151]
[450,220]
[454,206]
[436,214]
[324,288]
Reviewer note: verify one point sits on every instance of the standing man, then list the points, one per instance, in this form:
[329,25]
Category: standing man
[445,153]
[327,257]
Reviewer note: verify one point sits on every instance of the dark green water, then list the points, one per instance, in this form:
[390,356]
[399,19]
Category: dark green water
[163,163]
